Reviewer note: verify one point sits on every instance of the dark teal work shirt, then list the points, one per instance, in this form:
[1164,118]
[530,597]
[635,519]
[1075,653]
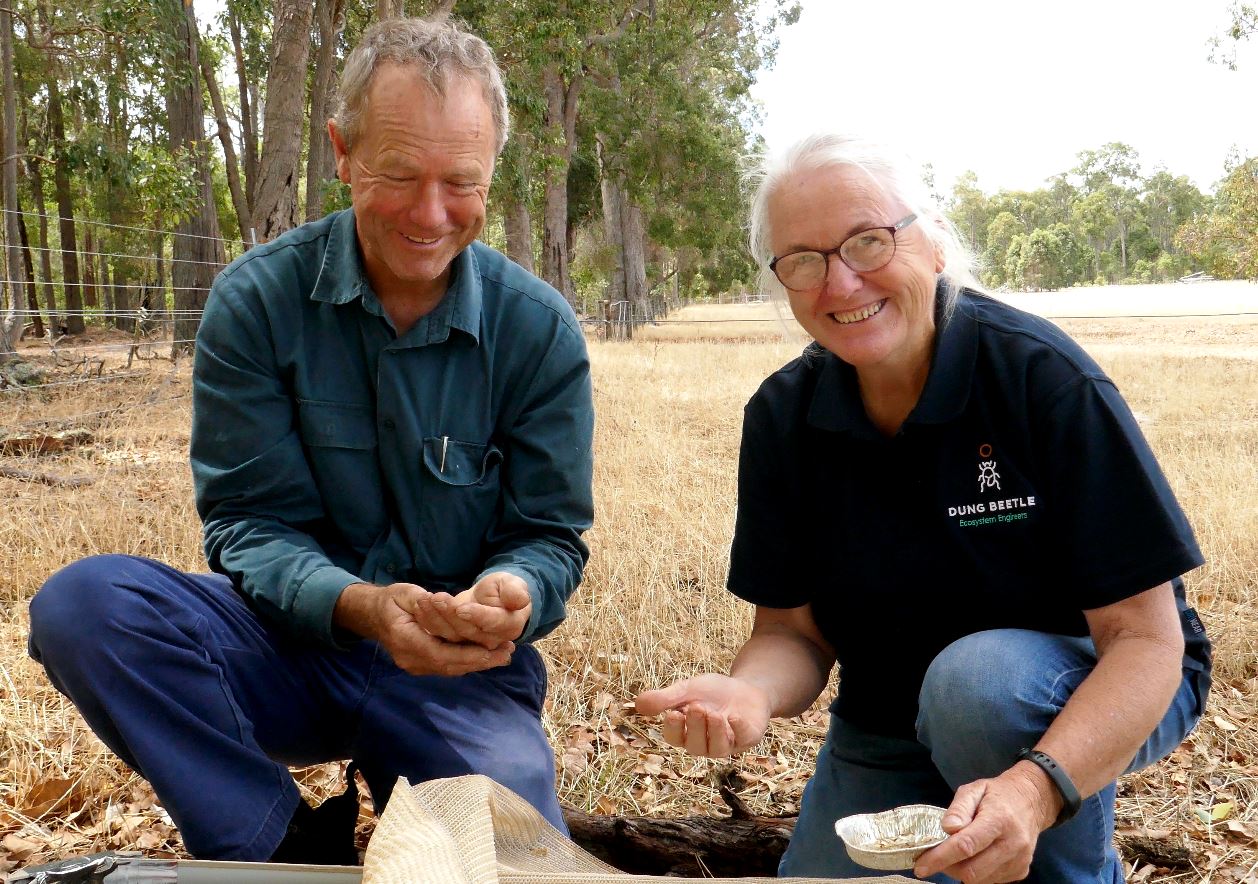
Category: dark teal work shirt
[326,450]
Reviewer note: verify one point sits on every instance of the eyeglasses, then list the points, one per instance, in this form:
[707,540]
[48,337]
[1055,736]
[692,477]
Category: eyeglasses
[864,251]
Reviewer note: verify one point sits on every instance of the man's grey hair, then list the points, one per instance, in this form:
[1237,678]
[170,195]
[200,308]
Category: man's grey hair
[888,171]
[438,49]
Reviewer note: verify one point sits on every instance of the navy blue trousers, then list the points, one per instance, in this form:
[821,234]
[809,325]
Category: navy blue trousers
[179,677]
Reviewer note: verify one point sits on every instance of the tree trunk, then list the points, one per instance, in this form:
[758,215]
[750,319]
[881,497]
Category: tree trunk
[320,164]
[275,205]
[117,134]
[248,118]
[123,286]
[158,304]
[89,269]
[1122,240]
[390,9]
[614,233]
[636,291]
[230,162]
[195,242]
[35,172]
[10,322]
[106,290]
[560,123]
[65,209]
[32,294]
[519,229]
[622,221]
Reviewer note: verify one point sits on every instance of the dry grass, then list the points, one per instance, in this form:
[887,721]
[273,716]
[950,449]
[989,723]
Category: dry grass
[653,607]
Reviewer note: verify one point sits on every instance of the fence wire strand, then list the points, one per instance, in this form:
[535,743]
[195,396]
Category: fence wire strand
[154,258]
[87,223]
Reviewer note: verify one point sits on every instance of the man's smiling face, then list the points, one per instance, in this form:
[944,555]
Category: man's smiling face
[419,174]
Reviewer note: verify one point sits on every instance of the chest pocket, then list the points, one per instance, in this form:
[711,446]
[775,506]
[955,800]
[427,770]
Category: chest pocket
[456,463]
[461,488]
[340,442]
[336,425]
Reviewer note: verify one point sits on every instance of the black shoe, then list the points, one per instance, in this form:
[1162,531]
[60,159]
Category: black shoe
[323,835]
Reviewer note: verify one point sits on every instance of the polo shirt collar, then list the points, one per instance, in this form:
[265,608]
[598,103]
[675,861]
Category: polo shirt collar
[948,384]
[836,402]
[342,278]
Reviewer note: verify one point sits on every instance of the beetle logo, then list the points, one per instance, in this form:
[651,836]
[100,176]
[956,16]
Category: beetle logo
[987,475]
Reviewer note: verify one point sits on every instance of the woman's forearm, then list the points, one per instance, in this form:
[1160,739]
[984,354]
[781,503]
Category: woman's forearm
[1114,709]
[789,667]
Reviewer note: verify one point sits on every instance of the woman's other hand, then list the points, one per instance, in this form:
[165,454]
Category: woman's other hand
[993,827]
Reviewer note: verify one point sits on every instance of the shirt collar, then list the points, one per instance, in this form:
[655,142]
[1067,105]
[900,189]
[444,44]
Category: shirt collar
[836,403]
[342,278]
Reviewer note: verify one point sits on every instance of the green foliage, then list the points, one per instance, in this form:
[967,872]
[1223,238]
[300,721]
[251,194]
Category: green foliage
[1083,225]
[664,110]
[1244,24]
[1224,241]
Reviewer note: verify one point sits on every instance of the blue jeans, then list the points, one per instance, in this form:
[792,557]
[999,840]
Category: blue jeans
[179,677]
[984,697]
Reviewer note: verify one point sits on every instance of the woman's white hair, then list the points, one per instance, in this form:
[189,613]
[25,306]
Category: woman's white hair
[893,174]
[437,49]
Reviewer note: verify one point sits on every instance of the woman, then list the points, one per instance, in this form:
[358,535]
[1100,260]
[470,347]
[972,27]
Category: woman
[948,498]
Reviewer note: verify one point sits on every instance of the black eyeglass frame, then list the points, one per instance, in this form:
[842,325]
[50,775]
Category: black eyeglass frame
[892,229]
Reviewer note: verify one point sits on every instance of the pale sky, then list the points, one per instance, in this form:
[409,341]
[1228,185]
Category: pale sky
[1015,90]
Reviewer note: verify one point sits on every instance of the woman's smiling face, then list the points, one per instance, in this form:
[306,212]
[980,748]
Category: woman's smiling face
[881,320]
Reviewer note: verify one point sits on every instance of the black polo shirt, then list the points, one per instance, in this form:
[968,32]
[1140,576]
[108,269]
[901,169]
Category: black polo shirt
[1018,494]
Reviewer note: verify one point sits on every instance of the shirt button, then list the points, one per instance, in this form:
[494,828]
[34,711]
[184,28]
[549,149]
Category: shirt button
[389,424]
[390,568]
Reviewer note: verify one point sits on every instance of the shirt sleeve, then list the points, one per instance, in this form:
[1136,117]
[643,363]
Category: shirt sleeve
[547,497]
[254,491]
[1116,522]
[767,559]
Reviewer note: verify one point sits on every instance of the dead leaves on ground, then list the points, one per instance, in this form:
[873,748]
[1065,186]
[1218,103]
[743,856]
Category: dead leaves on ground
[1194,816]
[58,818]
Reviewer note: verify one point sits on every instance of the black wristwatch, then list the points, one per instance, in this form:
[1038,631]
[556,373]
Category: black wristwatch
[1069,794]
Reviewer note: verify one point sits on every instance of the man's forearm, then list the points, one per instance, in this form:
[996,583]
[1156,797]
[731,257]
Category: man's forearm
[357,610]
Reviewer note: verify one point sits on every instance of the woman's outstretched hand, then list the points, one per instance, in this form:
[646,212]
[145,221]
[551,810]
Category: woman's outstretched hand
[711,715]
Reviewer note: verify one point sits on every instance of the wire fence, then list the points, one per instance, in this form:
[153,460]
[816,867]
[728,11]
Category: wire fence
[144,309]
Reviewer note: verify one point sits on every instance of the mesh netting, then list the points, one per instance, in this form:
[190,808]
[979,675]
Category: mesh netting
[470,830]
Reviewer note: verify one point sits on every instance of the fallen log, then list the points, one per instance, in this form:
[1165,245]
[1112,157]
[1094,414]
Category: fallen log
[44,443]
[693,847]
[45,478]
[1166,852]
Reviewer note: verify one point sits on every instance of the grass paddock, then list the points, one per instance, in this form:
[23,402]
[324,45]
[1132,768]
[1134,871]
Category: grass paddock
[653,607]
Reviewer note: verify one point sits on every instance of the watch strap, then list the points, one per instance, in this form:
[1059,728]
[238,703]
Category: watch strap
[1061,780]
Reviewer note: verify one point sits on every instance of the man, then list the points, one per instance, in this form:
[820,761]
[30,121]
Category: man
[391,448]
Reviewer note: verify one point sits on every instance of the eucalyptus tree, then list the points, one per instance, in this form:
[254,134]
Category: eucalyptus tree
[1093,217]
[970,210]
[196,247]
[248,27]
[1000,235]
[10,319]
[279,165]
[1244,25]
[1113,171]
[1169,201]
[1224,240]
[672,109]
[634,84]
[548,48]
[329,20]
[208,56]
